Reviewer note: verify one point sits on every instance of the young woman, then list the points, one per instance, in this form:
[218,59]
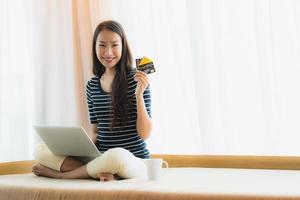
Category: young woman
[119,103]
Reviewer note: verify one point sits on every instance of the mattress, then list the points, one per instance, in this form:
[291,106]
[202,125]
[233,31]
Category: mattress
[176,183]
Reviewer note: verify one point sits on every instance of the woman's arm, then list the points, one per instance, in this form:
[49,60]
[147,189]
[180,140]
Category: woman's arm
[93,130]
[93,133]
[144,122]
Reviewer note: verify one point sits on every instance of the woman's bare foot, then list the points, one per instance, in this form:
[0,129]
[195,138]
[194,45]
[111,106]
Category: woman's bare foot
[107,177]
[41,170]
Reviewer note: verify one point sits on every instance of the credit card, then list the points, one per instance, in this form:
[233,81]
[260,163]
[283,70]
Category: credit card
[145,64]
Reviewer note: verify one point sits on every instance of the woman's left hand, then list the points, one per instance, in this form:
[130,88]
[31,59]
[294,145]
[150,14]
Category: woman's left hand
[142,82]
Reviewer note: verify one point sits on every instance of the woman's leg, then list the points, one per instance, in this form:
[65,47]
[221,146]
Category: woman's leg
[41,170]
[118,161]
[79,173]
[53,166]
[45,157]
[70,164]
[114,161]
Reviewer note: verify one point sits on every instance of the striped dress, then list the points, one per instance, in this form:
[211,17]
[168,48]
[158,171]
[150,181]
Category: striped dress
[100,113]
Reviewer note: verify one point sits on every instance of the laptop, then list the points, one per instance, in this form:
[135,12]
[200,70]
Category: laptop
[68,141]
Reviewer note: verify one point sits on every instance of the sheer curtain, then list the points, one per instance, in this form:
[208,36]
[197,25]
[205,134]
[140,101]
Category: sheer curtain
[41,79]
[226,81]
[15,80]
[246,58]
[54,86]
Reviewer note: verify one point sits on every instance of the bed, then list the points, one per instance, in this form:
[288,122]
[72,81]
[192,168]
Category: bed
[189,177]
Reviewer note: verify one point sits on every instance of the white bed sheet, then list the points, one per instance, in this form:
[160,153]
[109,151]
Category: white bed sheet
[180,182]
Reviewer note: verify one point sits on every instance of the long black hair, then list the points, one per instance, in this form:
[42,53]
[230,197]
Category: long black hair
[120,101]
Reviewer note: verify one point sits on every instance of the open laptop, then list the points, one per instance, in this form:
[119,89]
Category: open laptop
[68,141]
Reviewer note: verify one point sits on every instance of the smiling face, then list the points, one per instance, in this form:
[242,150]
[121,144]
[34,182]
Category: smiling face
[109,48]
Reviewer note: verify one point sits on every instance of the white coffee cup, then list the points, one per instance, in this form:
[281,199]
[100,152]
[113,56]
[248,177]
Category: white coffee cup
[154,168]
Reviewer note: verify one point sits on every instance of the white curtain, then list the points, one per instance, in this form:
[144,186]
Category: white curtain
[37,85]
[226,81]
[15,80]
[246,58]
[54,86]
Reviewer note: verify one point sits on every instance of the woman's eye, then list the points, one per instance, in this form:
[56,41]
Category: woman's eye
[115,45]
[101,45]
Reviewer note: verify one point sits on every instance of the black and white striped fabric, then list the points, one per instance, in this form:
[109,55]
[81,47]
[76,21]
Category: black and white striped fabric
[100,112]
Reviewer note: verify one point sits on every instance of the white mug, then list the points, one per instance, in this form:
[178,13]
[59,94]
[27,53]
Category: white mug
[154,168]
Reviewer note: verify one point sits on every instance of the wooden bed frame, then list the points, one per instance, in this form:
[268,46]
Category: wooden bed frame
[210,161]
